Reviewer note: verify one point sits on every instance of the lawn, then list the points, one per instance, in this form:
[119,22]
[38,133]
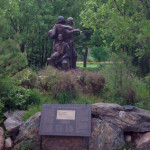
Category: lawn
[93,66]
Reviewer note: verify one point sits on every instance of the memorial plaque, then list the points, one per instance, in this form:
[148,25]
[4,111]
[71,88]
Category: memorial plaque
[65,120]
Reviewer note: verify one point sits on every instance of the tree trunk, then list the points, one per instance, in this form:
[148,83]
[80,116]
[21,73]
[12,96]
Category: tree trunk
[22,47]
[45,52]
[85,57]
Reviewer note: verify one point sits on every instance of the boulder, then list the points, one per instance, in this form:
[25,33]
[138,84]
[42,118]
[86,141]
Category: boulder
[109,124]
[1,138]
[99,140]
[13,122]
[17,114]
[128,118]
[143,143]
[8,143]
[29,132]
[105,136]
[12,126]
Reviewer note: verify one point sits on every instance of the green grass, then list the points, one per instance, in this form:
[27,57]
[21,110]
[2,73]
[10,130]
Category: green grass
[90,67]
[93,66]
[38,107]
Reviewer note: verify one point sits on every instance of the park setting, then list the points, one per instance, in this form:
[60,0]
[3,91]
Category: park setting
[74,75]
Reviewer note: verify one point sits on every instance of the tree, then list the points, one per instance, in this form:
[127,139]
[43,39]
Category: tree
[127,22]
[11,59]
[32,19]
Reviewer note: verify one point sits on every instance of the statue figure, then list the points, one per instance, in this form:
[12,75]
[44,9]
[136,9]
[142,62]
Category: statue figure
[70,41]
[63,44]
[60,58]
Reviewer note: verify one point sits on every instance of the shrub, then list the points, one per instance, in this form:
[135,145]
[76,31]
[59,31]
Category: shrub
[27,145]
[123,87]
[26,78]
[20,98]
[91,82]
[1,111]
[59,84]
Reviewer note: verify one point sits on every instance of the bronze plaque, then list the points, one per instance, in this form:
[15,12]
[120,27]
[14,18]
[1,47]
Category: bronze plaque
[65,120]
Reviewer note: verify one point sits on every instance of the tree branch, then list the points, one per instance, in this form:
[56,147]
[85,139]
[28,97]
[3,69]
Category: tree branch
[118,8]
[13,24]
[145,5]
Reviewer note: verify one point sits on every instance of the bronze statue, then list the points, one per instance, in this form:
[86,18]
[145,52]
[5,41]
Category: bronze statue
[65,55]
[60,58]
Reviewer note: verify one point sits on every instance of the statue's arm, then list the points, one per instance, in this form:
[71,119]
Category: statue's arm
[73,31]
[61,27]
[52,33]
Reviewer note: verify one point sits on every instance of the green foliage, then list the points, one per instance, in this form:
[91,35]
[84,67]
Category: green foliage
[127,146]
[32,19]
[6,134]
[1,111]
[38,107]
[20,98]
[100,53]
[67,85]
[27,145]
[64,97]
[120,25]
[58,84]
[122,85]
[91,83]
[26,78]
[11,59]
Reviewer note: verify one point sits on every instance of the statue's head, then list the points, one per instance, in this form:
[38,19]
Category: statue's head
[60,37]
[60,20]
[70,21]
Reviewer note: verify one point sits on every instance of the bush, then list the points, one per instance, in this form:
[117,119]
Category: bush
[123,87]
[59,84]
[26,78]
[91,82]
[20,98]
[5,87]
[62,85]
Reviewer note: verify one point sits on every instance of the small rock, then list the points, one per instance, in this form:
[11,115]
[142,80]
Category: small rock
[8,143]
[12,125]
[143,143]
[1,138]
[128,138]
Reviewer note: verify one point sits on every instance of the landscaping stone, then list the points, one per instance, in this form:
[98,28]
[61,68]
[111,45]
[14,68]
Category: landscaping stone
[143,143]
[12,126]
[105,136]
[17,114]
[14,121]
[134,119]
[109,124]
[8,143]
